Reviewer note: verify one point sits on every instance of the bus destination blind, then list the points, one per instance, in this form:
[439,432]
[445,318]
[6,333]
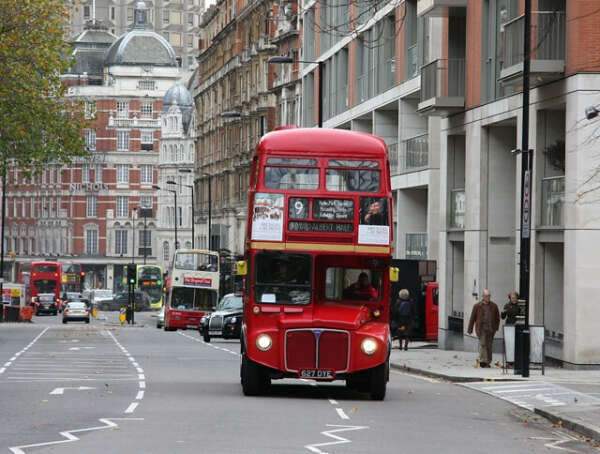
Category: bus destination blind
[328,227]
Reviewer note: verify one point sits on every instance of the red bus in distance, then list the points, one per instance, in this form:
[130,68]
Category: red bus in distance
[317,261]
[45,278]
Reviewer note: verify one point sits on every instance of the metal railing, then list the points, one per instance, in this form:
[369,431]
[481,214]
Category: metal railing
[548,37]
[443,78]
[553,199]
[393,157]
[457,209]
[416,246]
[411,156]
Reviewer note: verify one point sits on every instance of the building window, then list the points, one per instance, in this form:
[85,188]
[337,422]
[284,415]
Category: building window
[129,14]
[92,206]
[146,85]
[86,12]
[112,13]
[175,39]
[146,174]
[122,109]
[191,19]
[90,139]
[145,240]
[90,109]
[122,206]
[146,202]
[146,108]
[190,40]
[98,173]
[166,251]
[147,140]
[85,173]
[120,241]
[175,17]
[91,241]
[122,173]
[166,17]
[52,173]
[123,140]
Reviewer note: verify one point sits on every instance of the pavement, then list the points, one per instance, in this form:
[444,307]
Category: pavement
[567,398]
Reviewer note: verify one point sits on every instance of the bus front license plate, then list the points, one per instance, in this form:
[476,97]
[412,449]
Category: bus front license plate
[318,374]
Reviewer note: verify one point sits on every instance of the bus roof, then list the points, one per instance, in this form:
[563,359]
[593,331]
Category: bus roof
[323,142]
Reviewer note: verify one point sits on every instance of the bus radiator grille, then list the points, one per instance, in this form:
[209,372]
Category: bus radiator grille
[316,348]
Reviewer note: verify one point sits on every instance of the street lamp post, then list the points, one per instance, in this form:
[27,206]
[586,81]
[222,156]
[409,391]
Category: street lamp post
[2,233]
[193,207]
[133,212]
[280,59]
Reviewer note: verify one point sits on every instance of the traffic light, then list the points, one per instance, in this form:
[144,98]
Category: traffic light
[131,274]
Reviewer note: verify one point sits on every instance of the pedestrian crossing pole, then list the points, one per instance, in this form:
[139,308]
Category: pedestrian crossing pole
[526,179]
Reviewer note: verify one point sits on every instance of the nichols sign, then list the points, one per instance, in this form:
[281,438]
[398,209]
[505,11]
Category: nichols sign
[88,187]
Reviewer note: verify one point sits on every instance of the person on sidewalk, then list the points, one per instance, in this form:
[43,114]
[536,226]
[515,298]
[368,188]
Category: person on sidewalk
[404,314]
[511,309]
[486,319]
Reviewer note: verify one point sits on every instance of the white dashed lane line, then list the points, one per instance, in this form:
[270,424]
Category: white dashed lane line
[141,384]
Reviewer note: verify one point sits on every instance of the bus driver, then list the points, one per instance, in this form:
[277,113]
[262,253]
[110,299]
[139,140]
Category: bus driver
[361,289]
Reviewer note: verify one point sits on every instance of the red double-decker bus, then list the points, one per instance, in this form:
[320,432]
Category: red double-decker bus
[317,261]
[45,278]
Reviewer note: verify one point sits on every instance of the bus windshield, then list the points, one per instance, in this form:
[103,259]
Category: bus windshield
[155,293]
[196,261]
[149,273]
[283,278]
[193,299]
[45,268]
[71,269]
[45,285]
[353,284]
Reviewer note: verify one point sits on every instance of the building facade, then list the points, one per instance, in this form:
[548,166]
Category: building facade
[440,82]
[178,21]
[90,212]
[234,108]
[175,165]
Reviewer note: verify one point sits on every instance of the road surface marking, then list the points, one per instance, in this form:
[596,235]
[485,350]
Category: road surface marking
[23,350]
[61,391]
[341,413]
[8,363]
[142,385]
[69,437]
[131,407]
[333,402]
[2,370]
[140,370]
[419,377]
[140,395]
[141,376]
[331,434]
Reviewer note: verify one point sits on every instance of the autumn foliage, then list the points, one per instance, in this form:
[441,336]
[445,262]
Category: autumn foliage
[37,126]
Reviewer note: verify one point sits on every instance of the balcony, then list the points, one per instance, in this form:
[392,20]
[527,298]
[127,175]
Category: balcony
[457,209]
[146,123]
[438,7]
[553,199]
[416,246]
[443,87]
[548,38]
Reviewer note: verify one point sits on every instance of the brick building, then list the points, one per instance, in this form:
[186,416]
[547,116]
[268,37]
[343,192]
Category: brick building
[86,212]
[234,79]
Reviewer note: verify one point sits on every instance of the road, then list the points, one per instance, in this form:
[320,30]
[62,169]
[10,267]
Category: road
[102,388]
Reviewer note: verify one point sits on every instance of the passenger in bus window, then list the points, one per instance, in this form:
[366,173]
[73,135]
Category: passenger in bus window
[372,211]
[361,289]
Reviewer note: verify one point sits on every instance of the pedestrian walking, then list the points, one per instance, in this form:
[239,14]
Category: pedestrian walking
[485,317]
[511,309]
[404,315]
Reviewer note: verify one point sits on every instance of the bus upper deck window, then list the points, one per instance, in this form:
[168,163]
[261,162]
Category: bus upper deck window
[353,180]
[291,178]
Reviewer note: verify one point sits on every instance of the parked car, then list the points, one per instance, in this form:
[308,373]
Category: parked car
[102,299]
[76,311]
[46,303]
[142,301]
[225,321]
[160,318]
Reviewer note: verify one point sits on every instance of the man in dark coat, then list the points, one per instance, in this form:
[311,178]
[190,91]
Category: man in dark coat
[486,319]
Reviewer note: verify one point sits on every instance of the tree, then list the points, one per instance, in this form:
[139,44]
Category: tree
[37,126]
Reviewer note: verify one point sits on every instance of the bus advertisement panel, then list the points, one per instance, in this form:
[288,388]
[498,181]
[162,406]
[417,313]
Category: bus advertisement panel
[149,280]
[193,288]
[317,261]
[45,278]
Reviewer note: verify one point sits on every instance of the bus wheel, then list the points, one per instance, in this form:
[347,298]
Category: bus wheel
[379,379]
[254,380]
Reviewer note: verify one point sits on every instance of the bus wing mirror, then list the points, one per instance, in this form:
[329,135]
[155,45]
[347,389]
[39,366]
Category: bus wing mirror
[394,274]
[242,268]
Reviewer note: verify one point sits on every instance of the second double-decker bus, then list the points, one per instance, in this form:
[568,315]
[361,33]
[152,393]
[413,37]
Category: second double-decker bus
[192,288]
[149,280]
[45,277]
[317,261]
[71,278]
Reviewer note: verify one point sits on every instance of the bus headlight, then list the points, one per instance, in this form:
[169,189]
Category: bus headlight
[264,342]
[368,346]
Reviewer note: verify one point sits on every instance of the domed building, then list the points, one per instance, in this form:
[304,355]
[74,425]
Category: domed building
[176,163]
[102,211]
